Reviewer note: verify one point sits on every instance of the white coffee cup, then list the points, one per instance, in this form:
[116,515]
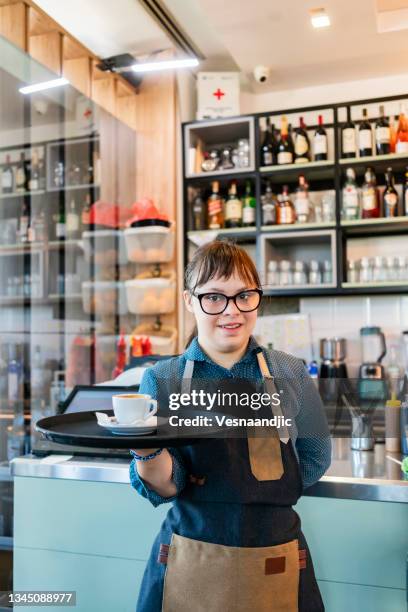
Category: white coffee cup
[130,407]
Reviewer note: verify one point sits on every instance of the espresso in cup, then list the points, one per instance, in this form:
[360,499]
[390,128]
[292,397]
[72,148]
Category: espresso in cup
[130,407]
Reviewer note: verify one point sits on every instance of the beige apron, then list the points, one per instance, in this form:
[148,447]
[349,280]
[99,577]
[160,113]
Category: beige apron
[204,577]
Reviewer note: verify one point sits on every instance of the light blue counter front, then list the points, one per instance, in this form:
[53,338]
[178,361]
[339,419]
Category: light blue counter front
[93,536]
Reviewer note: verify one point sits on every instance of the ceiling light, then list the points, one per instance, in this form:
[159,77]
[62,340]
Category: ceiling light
[319,18]
[167,65]
[44,85]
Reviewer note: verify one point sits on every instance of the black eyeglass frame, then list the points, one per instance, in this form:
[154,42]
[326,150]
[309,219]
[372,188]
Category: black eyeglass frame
[200,297]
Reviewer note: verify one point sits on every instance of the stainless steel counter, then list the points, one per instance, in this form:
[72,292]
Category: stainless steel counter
[364,475]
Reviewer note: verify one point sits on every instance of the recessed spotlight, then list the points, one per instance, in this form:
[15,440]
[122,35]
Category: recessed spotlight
[319,18]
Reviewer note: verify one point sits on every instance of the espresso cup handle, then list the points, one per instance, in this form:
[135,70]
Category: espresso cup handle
[153,406]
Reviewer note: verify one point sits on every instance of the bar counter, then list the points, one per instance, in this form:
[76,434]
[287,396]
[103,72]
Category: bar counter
[360,475]
[79,526]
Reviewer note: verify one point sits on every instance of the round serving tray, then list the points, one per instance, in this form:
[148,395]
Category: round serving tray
[82,429]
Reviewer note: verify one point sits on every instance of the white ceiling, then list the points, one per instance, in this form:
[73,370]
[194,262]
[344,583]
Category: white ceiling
[240,34]
[108,27]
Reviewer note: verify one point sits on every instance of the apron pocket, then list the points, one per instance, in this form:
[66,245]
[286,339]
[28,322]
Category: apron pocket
[213,578]
[264,451]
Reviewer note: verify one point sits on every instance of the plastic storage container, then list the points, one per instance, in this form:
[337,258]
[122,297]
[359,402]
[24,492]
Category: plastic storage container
[105,247]
[151,244]
[164,341]
[149,295]
[104,297]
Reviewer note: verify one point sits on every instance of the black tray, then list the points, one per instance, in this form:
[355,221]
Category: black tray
[82,429]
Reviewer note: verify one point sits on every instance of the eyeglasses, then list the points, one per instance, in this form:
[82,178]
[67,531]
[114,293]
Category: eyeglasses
[216,303]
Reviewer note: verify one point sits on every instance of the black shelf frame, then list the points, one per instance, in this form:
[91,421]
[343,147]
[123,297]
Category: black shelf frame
[334,170]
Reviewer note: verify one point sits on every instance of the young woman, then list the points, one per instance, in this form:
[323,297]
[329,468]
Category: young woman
[231,540]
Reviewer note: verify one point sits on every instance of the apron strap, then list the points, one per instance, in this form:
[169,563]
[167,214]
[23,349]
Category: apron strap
[271,389]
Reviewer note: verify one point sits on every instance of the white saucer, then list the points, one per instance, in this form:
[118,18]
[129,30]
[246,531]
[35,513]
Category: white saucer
[139,428]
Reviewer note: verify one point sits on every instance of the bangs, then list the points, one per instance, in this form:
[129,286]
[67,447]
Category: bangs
[220,259]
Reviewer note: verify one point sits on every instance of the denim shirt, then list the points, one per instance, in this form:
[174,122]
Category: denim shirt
[309,433]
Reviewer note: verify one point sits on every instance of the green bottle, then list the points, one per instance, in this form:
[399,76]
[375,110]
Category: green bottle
[249,208]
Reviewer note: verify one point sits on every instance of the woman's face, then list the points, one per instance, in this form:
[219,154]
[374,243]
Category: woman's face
[230,330]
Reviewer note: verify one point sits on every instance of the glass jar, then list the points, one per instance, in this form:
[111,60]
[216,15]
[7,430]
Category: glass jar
[391,268]
[402,269]
[285,273]
[273,273]
[243,153]
[366,270]
[379,272]
[353,275]
[315,275]
[318,212]
[327,272]
[299,274]
[226,162]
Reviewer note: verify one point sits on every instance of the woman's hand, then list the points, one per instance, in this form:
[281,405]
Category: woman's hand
[157,472]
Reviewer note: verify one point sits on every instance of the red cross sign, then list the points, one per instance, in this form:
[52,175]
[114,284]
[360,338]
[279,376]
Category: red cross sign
[218,94]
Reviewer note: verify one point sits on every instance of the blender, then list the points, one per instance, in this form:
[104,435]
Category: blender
[371,387]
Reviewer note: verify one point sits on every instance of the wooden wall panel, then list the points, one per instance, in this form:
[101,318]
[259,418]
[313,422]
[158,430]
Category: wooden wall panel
[103,89]
[47,49]
[13,23]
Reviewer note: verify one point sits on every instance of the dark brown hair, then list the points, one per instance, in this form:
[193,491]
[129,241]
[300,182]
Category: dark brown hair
[219,259]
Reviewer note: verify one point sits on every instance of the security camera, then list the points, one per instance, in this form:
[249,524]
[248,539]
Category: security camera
[261,74]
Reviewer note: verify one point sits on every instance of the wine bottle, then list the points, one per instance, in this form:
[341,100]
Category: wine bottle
[268,206]
[302,144]
[382,134]
[21,174]
[284,149]
[348,137]
[233,208]
[390,196]
[320,142]
[268,145]
[365,137]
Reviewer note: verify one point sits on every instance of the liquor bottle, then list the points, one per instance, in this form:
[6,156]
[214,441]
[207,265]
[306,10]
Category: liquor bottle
[34,178]
[382,134]
[268,145]
[233,208]
[285,212]
[350,197]
[370,203]
[393,132]
[348,137]
[365,136]
[61,228]
[320,142]
[38,227]
[302,204]
[405,194]
[21,174]
[72,220]
[302,144]
[7,177]
[401,145]
[249,207]
[390,196]
[24,223]
[215,205]
[198,209]
[268,203]
[284,148]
